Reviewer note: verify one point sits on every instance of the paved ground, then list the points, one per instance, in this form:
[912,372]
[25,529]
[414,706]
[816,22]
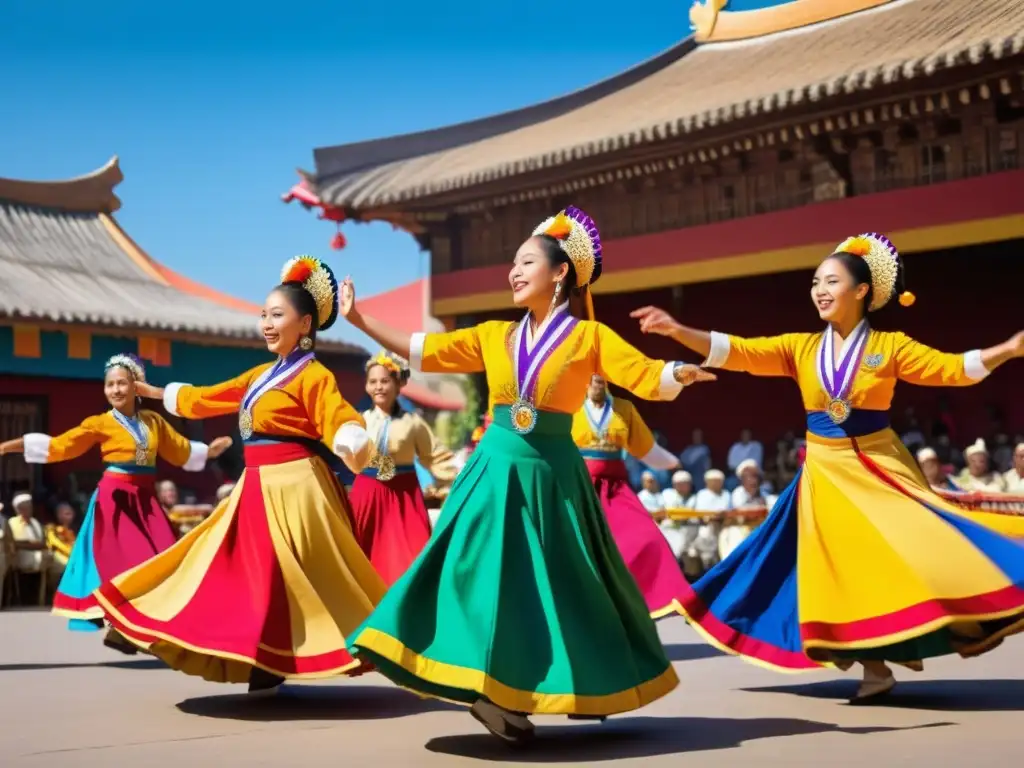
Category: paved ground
[66,701]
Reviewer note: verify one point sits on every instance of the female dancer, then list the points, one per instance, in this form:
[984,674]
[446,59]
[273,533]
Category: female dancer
[860,560]
[603,428]
[124,524]
[520,602]
[388,509]
[268,586]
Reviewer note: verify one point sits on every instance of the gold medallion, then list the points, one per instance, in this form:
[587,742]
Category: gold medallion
[141,454]
[245,423]
[385,468]
[523,416]
[838,410]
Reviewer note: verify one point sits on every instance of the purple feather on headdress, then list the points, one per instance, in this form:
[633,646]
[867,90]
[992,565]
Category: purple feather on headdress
[588,224]
[887,243]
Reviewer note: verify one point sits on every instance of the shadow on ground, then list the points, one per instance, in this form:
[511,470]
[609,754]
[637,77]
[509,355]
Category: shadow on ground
[691,652]
[638,737]
[146,663]
[320,702]
[939,695]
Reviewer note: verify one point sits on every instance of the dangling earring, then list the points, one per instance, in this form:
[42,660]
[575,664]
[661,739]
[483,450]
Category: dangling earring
[305,343]
[558,292]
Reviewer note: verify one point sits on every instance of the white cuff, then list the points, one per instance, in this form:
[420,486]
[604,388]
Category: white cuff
[196,457]
[37,448]
[352,444]
[668,387]
[659,458]
[171,397]
[974,369]
[416,342]
[719,352]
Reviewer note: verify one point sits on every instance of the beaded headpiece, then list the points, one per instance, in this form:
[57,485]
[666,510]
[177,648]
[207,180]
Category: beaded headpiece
[578,236]
[130,363]
[318,279]
[392,363]
[883,261]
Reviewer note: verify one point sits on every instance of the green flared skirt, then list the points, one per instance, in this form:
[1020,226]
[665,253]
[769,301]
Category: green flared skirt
[521,596]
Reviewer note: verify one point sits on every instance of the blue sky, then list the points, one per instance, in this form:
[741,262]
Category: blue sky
[211,106]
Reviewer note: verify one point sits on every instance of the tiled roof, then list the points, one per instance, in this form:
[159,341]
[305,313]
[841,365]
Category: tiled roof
[681,92]
[78,266]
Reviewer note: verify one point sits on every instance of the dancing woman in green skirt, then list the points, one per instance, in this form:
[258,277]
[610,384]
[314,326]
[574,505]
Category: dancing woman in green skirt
[521,604]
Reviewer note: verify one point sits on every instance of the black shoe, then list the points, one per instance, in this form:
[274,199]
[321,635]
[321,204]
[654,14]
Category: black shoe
[263,683]
[509,727]
[116,641]
[594,718]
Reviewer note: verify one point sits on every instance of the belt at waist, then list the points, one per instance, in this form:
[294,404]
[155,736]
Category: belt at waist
[594,454]
[265,447]
[861,422]
[400,469]
[611,469]
[129,474]
[548,422]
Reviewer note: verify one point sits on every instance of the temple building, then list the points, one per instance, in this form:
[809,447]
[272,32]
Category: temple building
[75,289]
[722,170]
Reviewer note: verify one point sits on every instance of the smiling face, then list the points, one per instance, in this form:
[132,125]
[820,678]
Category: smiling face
[119,387]
[835,293]
[533,277]
[381,387]
[282,325]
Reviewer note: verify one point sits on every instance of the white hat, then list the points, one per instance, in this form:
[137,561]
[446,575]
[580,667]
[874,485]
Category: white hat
[977,447]
[682,476]
[745,465]
[647,474]
[927,454]
[20,499]
[714,474]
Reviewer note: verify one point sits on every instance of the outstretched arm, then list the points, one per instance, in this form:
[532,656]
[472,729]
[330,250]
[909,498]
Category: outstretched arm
[192,402]
[765,356]
[43,449]
[623,364]
[390,338]
[917,363]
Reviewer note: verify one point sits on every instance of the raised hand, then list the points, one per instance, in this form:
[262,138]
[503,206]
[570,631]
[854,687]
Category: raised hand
[148,391]
[1017,344]
[218,446]
[347,300]
[655,320]
[691,374]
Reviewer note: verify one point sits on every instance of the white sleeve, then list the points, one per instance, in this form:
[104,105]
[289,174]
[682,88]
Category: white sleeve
[352,444]
[719,352]
[659,458]
[973,367]
[171,397]
[416,342]
[197,457]
[669,388]
[37,448]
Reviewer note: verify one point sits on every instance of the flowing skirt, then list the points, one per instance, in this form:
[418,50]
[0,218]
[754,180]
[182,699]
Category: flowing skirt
[860,560]
[641,542]
[274,579]
[521,596]
[124,525]
[390,520]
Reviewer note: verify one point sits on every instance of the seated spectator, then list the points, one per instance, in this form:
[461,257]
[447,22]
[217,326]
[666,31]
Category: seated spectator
[60,536]
[745,448]
[680,495]
[749,493]
[733,534]
[650,493]
[1014,478]
[979,476]
[696,458]
[31,555]
[934,472]
[712,497]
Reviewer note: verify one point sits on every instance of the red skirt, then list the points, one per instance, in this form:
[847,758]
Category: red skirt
[391,522]
[273,578]
[640,541]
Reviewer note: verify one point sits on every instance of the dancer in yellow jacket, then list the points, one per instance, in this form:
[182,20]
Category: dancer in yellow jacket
[860,561]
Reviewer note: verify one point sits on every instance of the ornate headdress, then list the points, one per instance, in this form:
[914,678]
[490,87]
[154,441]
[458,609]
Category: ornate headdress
[884,263]
[130,363]
[392,363]
[577,234]
[318,279]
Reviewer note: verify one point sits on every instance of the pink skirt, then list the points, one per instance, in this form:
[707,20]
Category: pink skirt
[640,541]
[391,522]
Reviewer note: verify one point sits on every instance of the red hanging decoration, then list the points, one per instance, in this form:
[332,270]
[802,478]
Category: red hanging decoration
[338,242]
